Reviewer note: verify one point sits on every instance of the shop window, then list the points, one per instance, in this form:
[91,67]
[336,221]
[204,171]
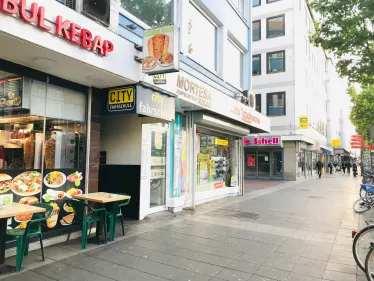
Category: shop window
[216,162]
[275,26]
[234,64]
[258,103]
[276,104]
[202,38]
[152,13]
[256,30]
[256,3]
[256,65]
[42,145]
[276,62]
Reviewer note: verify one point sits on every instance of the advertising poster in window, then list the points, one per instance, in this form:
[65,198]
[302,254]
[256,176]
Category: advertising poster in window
[251,160]
[11,92]
[58,187]
[160,50]
[183,175]
[204,167]
[30,187]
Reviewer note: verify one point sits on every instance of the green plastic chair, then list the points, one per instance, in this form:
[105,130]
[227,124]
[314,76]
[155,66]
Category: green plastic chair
[114,212]
[33,228]
[86,219]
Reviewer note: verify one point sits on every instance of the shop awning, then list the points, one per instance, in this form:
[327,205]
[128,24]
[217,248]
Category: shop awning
[195,94]
[223,126]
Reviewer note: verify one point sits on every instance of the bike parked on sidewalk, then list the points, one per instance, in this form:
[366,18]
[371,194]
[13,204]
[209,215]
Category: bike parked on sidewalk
[362,241]
[369,263]
[366,200]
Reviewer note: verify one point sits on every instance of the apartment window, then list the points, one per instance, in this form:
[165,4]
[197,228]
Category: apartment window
[276,62]
[271,1]
[275,26]
[256,65]
[239,5]
[234,64]
[202,38]
[256,30]
[152,13]
[256,3]
[276,105]
[258,103]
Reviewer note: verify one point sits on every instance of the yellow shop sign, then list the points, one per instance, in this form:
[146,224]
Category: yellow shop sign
[303,122]
[122,99]
[221,142]
[335,143]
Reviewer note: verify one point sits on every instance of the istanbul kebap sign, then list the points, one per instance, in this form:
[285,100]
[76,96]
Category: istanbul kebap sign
[160,50]
[54,188]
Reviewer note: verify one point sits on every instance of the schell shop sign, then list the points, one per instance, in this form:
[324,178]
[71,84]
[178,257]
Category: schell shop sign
[64,28]
[262,141]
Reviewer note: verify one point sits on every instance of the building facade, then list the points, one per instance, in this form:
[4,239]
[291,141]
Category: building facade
[295,86]
[65,69]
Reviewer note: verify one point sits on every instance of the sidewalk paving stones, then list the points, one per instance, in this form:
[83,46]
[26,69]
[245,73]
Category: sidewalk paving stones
[286,231]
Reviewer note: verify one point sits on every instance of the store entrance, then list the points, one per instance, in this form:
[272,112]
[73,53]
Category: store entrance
[264,164]
[263,167]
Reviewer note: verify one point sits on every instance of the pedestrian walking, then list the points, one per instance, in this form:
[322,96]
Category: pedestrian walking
[354,168]
[330,166]
[319,166]
[349,168]
[344,167]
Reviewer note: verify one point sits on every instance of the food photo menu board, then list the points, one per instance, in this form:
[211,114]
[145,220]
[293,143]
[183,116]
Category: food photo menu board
[54,188]
[11,92]
[160,50]
[59,186]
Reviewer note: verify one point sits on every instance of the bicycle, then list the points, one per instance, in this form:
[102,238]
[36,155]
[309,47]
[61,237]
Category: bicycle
[366,190]
[362,243]
[369,263]
[366,200]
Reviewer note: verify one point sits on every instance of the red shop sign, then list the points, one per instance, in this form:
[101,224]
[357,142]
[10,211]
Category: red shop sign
[65,28]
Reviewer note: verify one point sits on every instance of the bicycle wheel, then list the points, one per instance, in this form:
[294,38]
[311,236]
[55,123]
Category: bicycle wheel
[361,206]
[361,245]
[369,265]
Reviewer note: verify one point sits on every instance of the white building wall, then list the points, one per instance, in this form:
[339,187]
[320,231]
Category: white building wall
[230,25]
[304,78]
[276,82]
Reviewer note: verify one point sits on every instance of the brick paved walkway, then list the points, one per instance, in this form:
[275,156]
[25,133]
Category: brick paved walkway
[295,231]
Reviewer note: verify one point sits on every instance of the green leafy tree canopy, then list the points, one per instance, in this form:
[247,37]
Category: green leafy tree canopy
[155,13]
[362,112]
[346,29]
